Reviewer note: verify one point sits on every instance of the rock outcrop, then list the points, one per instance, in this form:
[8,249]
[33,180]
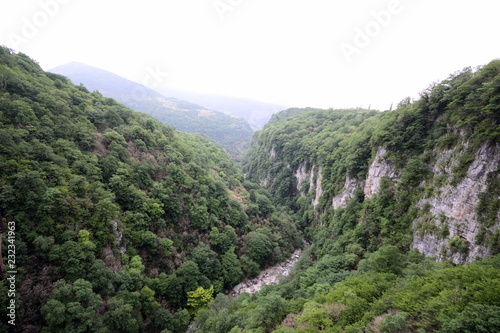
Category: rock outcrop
[350,186]
[450,216]
[316,172]
[454,209]
[381,167]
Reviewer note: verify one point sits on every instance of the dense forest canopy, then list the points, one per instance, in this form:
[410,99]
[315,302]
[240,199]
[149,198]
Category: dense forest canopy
[361,273]
[123,224]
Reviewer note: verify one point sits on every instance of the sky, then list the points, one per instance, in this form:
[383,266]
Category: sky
[316,53]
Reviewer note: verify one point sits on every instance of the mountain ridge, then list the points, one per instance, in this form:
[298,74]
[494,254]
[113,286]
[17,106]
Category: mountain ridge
[122,223]
[232,133]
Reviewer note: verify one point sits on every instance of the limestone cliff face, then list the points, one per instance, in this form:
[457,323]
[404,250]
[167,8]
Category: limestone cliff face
[447,226]
[450,211]
[302,175]
[350,186]
[381,167]
[454,209]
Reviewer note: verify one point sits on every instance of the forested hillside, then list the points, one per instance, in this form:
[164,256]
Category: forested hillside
[401,208]
[232,133]
[441,150]
[122,223]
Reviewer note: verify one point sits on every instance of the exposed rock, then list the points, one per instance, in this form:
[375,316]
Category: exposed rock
[265,182]
[301,174]
[118,237]
[347,194]
[272,152]
[268,276]
[319,189]
[381,167]
[454,208]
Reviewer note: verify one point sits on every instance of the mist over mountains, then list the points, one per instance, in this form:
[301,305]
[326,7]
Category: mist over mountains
[257,113]
[231,132]
[121,223]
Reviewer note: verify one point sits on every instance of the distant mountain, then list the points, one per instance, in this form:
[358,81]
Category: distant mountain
[232,133]
[116,219]
[257,113]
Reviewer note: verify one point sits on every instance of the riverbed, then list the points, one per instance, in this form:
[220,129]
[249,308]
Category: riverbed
[267,276]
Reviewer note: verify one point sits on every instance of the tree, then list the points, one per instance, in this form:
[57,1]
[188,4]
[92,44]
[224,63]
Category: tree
[250,267]
[166,246]
[474,318]
[84,240]
[101,278]
[200,217]
[387,260]
[124,313]
[396,323]
[207,261]
[72,308]
[269,311]
[189,276]
[172,287]
[149,241]
[181,320]
[259,246]
[231,268]
[164,319]
[148,301]
[315,314]
[265,205]
[20,113]
[72,258]
[199,298]
[43,245]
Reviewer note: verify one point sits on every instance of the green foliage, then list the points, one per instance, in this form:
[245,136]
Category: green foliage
[438,295]
[396,323]
[259,246]
[298,137]
[124,313]
[148,301]
[147,221]
[72,258]
[315,315]
[103,193]
[207,261]
[199,298]
[72,308]
[386,259]
[474,318]
[231,268]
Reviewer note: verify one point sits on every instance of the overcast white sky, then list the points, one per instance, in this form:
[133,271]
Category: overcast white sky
[318,53]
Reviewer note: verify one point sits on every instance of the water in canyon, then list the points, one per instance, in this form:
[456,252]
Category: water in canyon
[267,276]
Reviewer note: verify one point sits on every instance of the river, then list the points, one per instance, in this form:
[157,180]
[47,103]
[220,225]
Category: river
[268,276]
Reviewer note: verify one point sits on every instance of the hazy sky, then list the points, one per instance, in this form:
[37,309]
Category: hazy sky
[318,53]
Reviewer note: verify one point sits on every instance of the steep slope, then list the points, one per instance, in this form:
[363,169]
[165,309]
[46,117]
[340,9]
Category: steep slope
[232,133]
[121,222]
[436,160]
[376,193]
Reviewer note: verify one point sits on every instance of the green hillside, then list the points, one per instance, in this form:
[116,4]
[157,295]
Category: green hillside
[232,133]
[437,161]
[122,223]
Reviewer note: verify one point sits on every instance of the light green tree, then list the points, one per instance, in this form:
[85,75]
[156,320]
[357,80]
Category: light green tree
[199,298]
